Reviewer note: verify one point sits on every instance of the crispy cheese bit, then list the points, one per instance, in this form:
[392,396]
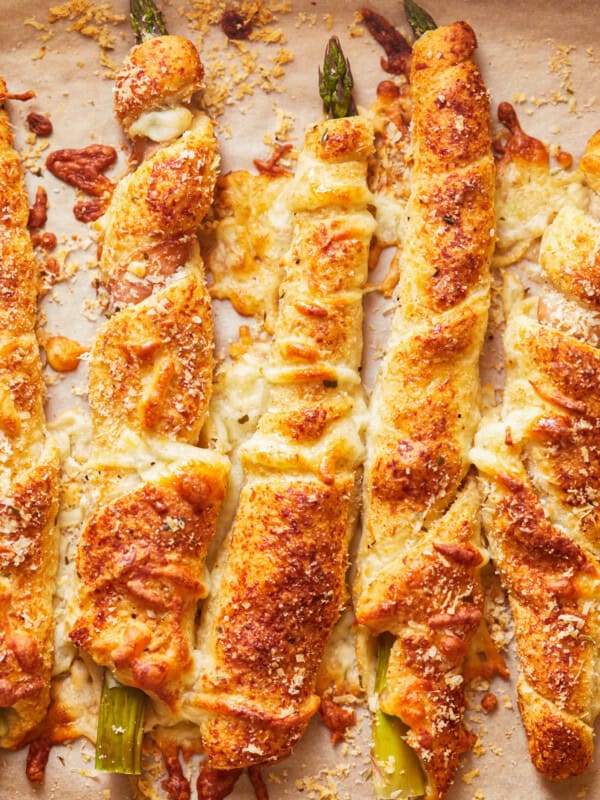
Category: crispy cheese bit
[63,354]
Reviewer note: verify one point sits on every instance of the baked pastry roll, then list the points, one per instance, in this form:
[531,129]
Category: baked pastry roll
[28,470]
[155,495]
[539,463]
[420,554]
[281,575]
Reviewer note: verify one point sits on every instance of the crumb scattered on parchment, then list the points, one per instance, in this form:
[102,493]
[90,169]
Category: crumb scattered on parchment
[97,21]
[479,748]
[235,69]
[559,64]
[32,153]
[355,28]
[469,777]
[323,785]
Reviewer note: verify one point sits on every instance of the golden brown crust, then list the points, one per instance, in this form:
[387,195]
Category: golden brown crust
[281,576]
[151,223]
[540,467]
[279,600]
[431,599]
[28,471]
[158,73]
[570,256]
[141,555]
[425,410]
[140,564]
[152,365]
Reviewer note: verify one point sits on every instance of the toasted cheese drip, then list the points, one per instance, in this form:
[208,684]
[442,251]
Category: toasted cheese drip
[539,460]
[420,555]
[155,495]
[528,192]
[280,577]
[245,244]
[28,471]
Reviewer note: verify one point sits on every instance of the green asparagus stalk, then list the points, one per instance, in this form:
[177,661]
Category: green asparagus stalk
[336,82]
[418,19]
[146,20]
[397,772]
[120,728]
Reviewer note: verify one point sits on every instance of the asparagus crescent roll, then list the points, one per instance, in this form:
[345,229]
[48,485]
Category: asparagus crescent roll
[28,470]
[281,576]
[539,458]
[418,595]
[155,495]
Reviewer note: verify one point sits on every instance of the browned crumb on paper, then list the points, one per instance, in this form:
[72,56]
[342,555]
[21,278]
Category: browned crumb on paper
[97,21]
[337,718]
[468,777]
[559,64]
[489,702]
[237,66]
[63,354]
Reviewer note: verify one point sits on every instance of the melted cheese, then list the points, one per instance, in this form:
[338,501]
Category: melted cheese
[163,125]
[344,442]
[527,198]
[72,433]
[238,399]
[319,184]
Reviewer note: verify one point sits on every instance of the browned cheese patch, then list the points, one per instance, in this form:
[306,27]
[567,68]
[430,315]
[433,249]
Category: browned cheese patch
[140,562]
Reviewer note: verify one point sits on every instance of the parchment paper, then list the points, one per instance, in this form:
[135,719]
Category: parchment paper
[526,56]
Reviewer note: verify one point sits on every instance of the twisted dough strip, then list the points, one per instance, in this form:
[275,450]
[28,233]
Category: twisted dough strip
[141,555]
[281,578]
[540,464]
[419,560]
[28,471]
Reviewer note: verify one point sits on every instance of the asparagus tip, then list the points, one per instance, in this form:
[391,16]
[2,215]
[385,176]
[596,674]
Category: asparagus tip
[146,20]
[418,19]
[336,82]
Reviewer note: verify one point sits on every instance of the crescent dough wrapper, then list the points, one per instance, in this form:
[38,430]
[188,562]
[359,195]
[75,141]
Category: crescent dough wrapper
[28,471]
[420,557]
[156,496]
[281,577]
[540,466]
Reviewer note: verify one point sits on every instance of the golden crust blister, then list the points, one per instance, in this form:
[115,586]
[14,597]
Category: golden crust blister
[418,571]
[28,471]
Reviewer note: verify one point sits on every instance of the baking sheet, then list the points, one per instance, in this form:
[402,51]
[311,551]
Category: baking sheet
[540,55]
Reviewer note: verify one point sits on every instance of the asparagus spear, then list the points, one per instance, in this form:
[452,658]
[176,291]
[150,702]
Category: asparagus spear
[396,769]
[418,19]
[120,728]
[336,82]
[121,717]
[146,20]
